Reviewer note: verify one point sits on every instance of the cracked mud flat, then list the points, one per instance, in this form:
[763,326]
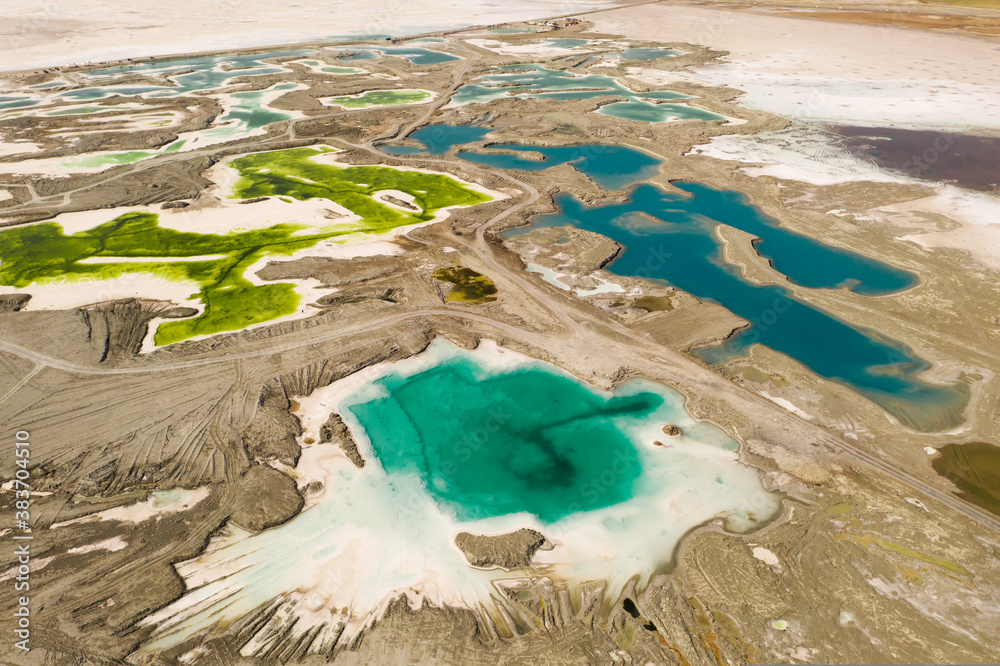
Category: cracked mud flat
[163,474]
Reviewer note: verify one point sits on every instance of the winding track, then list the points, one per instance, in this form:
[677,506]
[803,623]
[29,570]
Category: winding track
[583,326]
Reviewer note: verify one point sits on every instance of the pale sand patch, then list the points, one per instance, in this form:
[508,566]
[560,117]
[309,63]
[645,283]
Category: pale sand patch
[540,49]
[979,215]
[140,260]
[160,503]
[384,195]
[37,564]
[18,148]
[318,69]
[831,70]
[130,122]
[767,557]
[5,194]
[114,544]
[787,405]
[31,37]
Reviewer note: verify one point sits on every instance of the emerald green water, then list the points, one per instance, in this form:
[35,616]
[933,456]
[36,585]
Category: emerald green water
[44,253]
[525,440]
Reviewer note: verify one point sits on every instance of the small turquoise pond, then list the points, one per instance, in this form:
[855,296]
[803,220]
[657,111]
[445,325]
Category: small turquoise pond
[415,54]
[649,54]
[494,444]
[439,139]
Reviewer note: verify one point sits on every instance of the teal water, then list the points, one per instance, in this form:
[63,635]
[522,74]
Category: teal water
[611,167]
[192,75]
[669,237]
[415,54]
[538,82]
[565,43]
[648,112]
[439,139]
[491,444]
[16,102]
[649,54]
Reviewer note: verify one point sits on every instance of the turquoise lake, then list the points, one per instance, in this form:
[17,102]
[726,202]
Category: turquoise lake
[611,167]
[438,139]
[495,444]
[669,237]
[416,55]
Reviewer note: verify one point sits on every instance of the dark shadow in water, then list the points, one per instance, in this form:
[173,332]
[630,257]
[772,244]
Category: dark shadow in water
[975,469]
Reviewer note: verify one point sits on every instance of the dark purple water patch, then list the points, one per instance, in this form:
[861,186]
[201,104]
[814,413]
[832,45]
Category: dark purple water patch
[971,161]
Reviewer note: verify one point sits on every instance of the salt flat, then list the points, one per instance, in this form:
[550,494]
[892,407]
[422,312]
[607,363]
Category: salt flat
[34,34]
[822,70]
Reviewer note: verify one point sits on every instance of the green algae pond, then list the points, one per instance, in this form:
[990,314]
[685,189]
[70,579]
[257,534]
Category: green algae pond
[371,98]
[974,468]
[43,252]
[468,285]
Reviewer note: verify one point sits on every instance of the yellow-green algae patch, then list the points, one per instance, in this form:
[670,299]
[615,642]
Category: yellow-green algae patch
[867,541]
[380,98]
[41,253]
[468,285]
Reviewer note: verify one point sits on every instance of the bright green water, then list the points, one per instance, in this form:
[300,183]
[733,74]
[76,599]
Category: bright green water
[487,445]
[44,252]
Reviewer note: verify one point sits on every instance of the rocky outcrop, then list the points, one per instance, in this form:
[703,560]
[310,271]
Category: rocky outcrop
[513,550]
[335,431]
[265,498]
